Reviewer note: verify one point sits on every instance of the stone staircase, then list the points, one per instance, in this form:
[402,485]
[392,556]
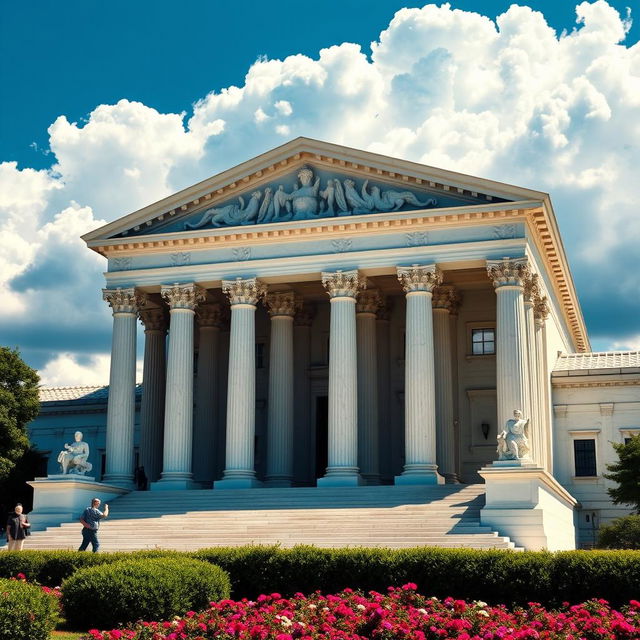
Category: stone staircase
[385,516]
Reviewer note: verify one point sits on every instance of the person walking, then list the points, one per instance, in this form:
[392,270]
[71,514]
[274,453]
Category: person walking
[17,528]
[90,520]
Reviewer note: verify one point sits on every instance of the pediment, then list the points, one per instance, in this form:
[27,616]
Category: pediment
[306,180]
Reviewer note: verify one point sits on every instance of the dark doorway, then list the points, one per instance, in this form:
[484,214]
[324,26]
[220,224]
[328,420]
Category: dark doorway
[322,435]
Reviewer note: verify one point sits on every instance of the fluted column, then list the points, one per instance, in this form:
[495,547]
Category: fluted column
[453,332]
[178,413]
[385,427]
[209,318]
[241,389]
[342,469]
[443,298]
[282,306]
[420,416]
[153,391]
[532,291]
[541,313]
[121,407]
[366,340]
[304,451]
[512,376]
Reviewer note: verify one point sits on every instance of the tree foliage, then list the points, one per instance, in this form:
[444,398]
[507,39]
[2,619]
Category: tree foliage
[626,473]
[622,533]
[19,405]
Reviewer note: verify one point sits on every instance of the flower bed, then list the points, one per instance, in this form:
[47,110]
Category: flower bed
[402,613]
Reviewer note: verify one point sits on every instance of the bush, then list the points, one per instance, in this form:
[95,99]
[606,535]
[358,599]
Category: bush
[622,533]
[50,568]
[134,589]
[26,611]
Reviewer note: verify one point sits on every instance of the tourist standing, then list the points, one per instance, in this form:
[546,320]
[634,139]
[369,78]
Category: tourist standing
[90,520]
[17,528]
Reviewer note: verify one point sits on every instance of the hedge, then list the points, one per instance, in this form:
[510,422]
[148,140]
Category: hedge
[26,611]
[494,576]
[141,589]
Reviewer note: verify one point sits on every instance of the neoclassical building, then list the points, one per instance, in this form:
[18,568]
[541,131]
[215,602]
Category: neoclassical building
[320,315]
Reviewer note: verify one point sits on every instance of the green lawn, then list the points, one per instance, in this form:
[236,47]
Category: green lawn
[66,635]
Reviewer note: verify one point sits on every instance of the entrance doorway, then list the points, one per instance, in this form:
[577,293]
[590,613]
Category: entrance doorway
[322,435]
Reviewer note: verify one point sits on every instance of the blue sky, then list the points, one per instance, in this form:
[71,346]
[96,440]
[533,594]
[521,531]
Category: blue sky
[108,106]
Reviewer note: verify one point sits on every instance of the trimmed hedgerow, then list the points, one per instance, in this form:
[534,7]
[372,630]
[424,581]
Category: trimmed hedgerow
[150,589]
[26,611]
[494,576]
[50,568]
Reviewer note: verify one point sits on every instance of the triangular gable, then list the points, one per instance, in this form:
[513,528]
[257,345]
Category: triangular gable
[380,184]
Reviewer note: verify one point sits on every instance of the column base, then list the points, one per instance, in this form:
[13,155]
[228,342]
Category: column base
[277,482]
[174,481]
[419,474]
[451,478]
[341,477]
[237,483]
[119,480]
[371,479]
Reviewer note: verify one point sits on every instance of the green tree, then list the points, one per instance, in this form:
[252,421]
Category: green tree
[626,473]
[19,405]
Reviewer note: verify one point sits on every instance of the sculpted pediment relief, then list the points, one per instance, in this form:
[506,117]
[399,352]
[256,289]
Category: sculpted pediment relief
[310,193]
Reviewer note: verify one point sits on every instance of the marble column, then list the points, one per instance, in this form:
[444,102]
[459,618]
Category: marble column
[209,318]
[239,470]
[121,407]
[512,375]
[420,416]
[385,428]
[153,391]
[368,430]
[453,332]
[303,449]
[342,469]
[531,291]
[282,306]
[443,298]
[541,313]
[178,412]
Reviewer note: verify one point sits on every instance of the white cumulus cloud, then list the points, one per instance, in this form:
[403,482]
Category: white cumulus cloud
[503,97]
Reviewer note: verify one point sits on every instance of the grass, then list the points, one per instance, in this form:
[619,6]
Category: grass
[67,635]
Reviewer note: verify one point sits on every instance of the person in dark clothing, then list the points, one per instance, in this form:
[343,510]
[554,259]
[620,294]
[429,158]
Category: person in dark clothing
[90,520]
[17,528]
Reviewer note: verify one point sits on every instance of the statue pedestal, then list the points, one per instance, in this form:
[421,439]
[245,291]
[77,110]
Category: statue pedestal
[62,498]
[526,503]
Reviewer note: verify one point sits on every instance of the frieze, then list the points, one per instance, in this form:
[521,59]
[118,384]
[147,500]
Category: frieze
[311,196]
[417,238]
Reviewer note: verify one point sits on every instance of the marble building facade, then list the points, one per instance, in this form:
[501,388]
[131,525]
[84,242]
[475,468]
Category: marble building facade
[322,315]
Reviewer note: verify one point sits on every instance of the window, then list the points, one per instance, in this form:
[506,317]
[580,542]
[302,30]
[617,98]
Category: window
[260,355]
[483,341]
[585,457]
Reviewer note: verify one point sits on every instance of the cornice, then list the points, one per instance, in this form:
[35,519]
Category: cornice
[312,230]
[584,382]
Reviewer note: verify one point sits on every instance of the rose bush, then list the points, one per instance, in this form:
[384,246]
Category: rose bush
[400,614]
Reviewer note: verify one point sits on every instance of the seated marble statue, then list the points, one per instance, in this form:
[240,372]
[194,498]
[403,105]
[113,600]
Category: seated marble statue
[74,457]
[513,441]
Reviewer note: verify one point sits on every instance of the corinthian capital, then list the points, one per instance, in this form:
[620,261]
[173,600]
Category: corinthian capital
[124,300]
[419,277]
[247,291]
[541,310]
[282,303]
[182,296]
[154,319]
[508,272]
[446,297]
[369,301]
[532,288]
[343,284]
[210,315]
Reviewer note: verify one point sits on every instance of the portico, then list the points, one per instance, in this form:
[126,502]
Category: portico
[328,333]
